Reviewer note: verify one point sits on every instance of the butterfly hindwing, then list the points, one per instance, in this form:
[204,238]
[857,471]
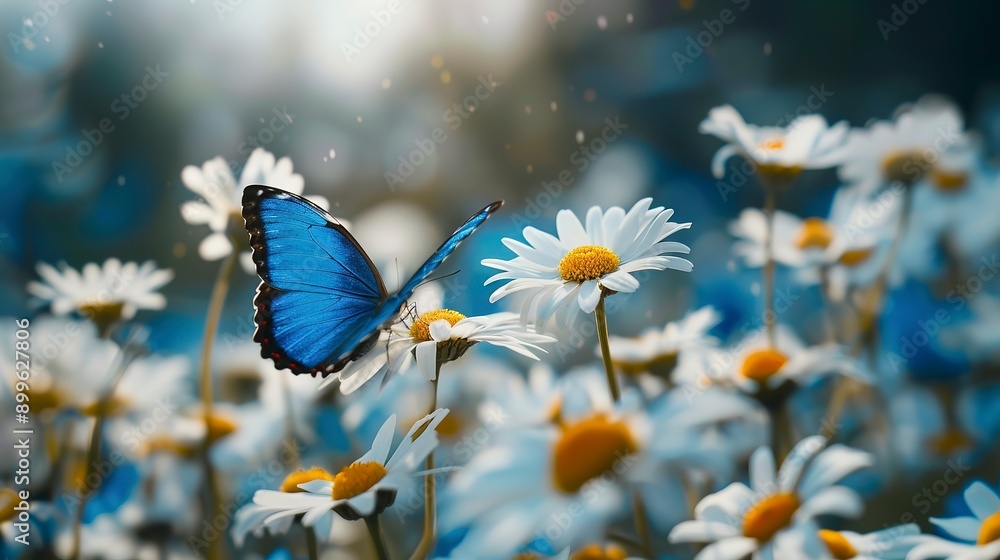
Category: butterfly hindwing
[319,290]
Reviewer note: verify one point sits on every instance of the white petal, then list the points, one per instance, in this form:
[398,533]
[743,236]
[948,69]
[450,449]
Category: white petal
[735,548]
[427,359]
[214,247]
[982,500]
[440,330]
[589,296]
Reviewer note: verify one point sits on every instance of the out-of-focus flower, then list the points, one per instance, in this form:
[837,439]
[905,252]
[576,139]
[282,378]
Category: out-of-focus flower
[848,245]
[902,150]
[73,369]
[979,534]
[573,271]
[363,488]
[103,293]
[511,492]
[659,349]
[471,422]
[779,152]
[892,543]
[221,205]
[775,516]
[115,536]
[433,335]
[752,364]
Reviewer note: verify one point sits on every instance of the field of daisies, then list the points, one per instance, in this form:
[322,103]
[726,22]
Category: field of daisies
[728,285]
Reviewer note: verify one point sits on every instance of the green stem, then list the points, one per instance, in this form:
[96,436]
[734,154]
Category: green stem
[601,316]
[770,202]
[642,524]
[375,530]
[868,315]
[311,545]
[426,543]
[219,291]
[94,453]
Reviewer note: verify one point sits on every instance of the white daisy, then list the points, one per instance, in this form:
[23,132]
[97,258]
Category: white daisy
[774,516]
[104,293]
[806,143]
[435,335]
[221,205]
[659,348]
[573,271]
[979,534]
[259,518]
[902,150]
[752,364]
[365,487]
[892,543]
[848,245]
[520,488]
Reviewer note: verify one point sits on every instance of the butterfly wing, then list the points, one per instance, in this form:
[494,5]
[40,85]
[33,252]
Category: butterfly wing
[392,305]
[319,289]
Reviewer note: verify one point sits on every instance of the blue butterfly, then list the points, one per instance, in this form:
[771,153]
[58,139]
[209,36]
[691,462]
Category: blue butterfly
[321,303]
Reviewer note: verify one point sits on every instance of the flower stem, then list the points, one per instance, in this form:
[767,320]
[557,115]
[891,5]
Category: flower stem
[601,316]
[426,544]
[219,291]
[94,453]
[311,545]
[868,314]
[770,202]
[375,530]
[642,524]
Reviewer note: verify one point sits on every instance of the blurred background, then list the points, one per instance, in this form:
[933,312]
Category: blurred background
[408,116]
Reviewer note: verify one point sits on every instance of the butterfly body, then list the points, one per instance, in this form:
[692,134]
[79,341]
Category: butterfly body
[321,303]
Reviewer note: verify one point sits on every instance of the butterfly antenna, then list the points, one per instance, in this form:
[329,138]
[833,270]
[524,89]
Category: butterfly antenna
[436,278]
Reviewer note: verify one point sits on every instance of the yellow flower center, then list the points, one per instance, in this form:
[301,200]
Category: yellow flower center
[773,144]
[855,257]
[102,313]
[904,167]
[588,262]
[595,552]
[8,500]
[762,364]
[357,478]
[815,234]
[990,531]
[420,330]
[162,444]
[291,483]
[838,545]
[950,441]
[769,515]
[219,427]
[949,181]
[526,556]
[589,448]
[110,407]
